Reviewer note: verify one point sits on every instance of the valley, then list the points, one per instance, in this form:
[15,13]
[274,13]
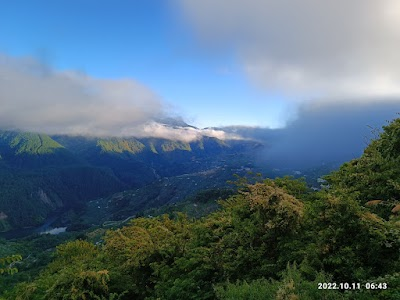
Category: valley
[199,150]
[42,175]
[96,194]
[79,182]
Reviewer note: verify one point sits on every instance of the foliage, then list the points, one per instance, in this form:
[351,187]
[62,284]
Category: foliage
[169,146]
[375,175]
[296,187]
[350,242]
[260,289]
[7,264]
[27,198]
[261,232]
[72,275]
[41,175]
[37,251]
[29,143]
[120,146]
[292,285]
[273,239]
[205,196]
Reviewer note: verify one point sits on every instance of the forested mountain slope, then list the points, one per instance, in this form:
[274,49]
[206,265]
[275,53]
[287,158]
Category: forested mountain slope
[41,174]
[274,239]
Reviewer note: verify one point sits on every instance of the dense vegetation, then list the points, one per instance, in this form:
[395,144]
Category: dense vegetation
[42,175]
[273,239]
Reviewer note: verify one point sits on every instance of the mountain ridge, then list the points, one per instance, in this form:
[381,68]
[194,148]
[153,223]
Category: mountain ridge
[41,174]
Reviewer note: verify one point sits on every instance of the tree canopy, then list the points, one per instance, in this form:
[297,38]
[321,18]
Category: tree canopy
[274,239]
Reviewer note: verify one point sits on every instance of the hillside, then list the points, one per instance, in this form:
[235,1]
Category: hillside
[42,175]
[155,157]
[25,150]
[272,239]
[170,191]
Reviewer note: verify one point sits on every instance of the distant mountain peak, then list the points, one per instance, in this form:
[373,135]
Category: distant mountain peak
[173,122]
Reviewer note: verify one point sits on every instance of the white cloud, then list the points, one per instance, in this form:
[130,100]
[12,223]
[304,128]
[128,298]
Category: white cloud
[308,48]
[33,97]
[36,98]
[178,133]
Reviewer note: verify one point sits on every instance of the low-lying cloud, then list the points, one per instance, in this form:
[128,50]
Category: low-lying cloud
[308,49]
[332,132]
[34,97]
[184,134]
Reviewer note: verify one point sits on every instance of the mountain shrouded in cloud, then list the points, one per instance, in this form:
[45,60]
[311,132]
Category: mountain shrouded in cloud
[335,63]
[308,48]
[36,98]
[182,133]
[323,133]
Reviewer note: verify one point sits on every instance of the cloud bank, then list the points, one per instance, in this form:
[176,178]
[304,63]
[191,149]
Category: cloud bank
[332,132]
[34,97]
[336,49]
[179,133]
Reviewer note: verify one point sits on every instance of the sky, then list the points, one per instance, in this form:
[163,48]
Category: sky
[107,67]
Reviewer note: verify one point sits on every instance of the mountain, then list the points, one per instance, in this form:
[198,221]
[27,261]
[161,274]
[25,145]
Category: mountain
[165,191]
[320,134]
[31,150]
[173,122]
[140,161]
[39,176]
[42,175]
[273,239]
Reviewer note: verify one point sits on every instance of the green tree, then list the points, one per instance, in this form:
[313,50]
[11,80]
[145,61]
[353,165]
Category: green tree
[137,253]
[7,264]
[350,242]
[375,175]
[241,241]
[76,273]
[291,286]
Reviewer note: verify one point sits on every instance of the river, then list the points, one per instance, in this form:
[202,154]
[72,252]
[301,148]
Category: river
[44,228]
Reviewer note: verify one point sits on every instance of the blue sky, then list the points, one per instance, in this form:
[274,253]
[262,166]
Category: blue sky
[143,40]
[119,63]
